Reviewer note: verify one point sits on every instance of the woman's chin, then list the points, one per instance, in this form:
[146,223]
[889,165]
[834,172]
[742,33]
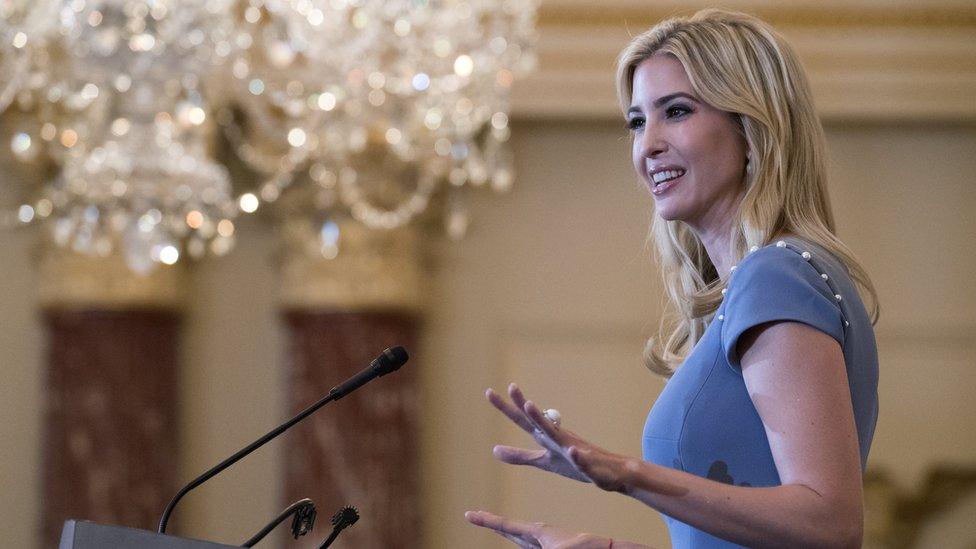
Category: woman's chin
[668,214]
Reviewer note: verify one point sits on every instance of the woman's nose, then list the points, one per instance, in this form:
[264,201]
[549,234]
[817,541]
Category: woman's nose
[652,143]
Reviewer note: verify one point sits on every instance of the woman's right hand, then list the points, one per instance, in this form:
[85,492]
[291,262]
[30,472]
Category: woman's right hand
[551,457]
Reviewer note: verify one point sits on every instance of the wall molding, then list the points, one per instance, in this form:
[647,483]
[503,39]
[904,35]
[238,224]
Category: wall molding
[793,15]
[867,62]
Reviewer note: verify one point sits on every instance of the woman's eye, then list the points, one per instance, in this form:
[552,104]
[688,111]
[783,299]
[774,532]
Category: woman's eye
[635,123]
[676,111]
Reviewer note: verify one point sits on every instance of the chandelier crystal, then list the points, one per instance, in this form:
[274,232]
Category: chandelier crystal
[366,107]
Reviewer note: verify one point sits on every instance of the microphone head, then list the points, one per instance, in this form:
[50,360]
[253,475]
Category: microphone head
[347,516]
[391,360]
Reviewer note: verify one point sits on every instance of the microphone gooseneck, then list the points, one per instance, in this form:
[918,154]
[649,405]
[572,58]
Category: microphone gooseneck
[389,361]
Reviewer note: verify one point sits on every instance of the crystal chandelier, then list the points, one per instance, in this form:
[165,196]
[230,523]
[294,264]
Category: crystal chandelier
[365,108]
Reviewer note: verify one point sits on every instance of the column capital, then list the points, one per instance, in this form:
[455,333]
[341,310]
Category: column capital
[70,280]
[372,269]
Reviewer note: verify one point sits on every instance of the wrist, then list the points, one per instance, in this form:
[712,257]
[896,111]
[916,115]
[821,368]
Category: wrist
[631,468]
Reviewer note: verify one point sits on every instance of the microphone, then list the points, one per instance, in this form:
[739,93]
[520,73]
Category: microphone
[389,361]
[342,519]
[303,513]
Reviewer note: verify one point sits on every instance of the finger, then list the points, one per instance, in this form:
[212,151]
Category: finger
[499,523]
[540,421]
[542,429]
[491,522]
[515,393]
[519,399]
[594,466]
[513,413]
[580,459]
[517,456]
[519,541]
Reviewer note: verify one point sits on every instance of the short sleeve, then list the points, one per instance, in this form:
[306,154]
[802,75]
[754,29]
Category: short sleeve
[777,284]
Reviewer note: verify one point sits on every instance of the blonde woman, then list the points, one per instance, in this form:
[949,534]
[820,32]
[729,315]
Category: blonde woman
[762,432]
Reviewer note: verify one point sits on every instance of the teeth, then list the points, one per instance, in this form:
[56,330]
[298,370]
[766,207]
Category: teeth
[666,175]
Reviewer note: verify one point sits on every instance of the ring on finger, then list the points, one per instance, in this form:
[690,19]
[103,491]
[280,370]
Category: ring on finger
[554,417]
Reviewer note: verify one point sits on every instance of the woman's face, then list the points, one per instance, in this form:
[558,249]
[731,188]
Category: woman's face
[691,155]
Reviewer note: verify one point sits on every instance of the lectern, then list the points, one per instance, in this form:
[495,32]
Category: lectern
[81,534]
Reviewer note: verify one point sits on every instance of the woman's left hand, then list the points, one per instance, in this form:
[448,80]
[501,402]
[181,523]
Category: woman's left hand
[535,534]
[563,452]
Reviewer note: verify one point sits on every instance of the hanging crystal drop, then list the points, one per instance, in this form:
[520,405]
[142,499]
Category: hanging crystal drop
[137,247]
[456,222]
[329,240]
[477,167]
[500,163]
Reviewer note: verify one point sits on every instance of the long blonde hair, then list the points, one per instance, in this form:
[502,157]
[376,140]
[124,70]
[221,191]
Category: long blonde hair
[739,64]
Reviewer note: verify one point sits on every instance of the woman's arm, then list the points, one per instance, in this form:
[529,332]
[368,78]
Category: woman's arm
[797,380]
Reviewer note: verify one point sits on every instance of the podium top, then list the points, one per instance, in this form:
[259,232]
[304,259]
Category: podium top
[82,534]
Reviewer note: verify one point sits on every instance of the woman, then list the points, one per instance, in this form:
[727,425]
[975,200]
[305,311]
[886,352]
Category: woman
[761,435]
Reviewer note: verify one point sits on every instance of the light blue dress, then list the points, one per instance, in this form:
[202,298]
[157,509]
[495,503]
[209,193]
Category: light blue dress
[704,421]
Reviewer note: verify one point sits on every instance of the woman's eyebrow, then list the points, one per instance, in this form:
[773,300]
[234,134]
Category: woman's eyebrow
[662,100]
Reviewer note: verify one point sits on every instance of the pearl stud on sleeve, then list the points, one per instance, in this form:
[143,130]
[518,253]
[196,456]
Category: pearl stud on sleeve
[837,297]
[781,244]
[806,255]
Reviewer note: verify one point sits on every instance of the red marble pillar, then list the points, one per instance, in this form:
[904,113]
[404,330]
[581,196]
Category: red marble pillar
[363,450]
[109,450]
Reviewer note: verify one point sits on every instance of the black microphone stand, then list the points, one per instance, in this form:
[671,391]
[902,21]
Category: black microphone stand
[210,473]
[390,360]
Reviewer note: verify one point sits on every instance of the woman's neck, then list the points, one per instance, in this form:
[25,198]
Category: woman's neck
[717,248]
[717,243]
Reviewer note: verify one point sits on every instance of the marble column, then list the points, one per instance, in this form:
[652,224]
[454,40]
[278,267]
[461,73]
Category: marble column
[362,450]
[109,447]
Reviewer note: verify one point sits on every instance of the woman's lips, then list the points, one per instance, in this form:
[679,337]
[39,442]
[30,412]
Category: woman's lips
[662,188]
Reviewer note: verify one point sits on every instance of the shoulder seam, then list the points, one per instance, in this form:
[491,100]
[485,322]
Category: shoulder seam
[808,258]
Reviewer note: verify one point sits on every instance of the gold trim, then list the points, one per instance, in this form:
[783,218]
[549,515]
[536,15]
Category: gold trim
[72,281]
[779,16]
[374,269]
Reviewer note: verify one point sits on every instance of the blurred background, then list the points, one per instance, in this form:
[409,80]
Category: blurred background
[126,375]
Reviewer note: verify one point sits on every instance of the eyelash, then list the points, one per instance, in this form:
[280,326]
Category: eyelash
[684,110]
[637,122]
